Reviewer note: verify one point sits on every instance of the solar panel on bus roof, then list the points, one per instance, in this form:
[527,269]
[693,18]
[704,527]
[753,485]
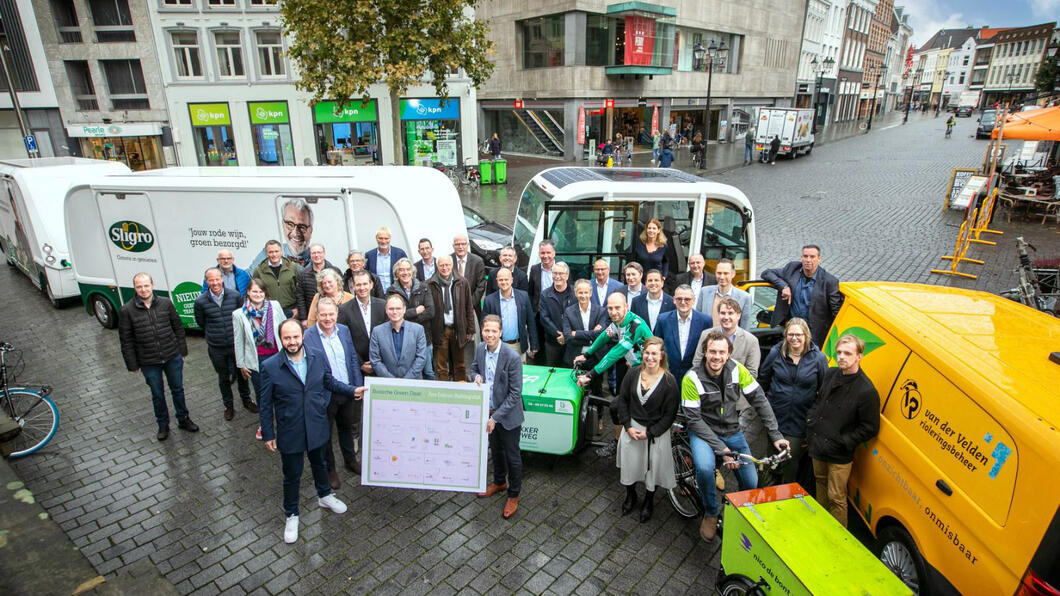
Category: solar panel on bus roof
[561,177]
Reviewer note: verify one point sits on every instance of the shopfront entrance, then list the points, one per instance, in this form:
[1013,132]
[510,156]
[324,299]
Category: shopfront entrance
[431,131]
[348,135]
[138,146]
[270,124]
[212,134]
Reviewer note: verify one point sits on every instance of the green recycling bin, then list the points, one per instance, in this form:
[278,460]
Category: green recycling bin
[485,170]
[552,410]
[500,171]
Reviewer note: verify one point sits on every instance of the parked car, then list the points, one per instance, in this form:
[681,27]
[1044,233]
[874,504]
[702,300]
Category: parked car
[487,237]
[963,111]
[987,120]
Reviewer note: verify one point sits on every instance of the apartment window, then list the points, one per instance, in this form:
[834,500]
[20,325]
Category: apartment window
[112,20]
[965,63]
[81,84]
[176,3]
[270,54]
[229,54]
[66,21]
[543,41]
[263,2]
[125,84]
[961,81]
[221,3]
[186,54]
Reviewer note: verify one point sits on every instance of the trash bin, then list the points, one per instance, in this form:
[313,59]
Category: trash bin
[485,170]
[500,171]
[552,405]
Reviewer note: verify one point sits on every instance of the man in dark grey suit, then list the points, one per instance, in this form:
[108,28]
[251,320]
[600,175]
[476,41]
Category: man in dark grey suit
[806,290]
[361,315]
[470,267]
[499,367]
[398,349]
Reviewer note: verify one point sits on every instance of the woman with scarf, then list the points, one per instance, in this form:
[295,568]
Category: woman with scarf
[256,327]
[647,407]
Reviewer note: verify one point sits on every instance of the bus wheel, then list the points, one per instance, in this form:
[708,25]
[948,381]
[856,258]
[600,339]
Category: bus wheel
[898,553]
[104,311]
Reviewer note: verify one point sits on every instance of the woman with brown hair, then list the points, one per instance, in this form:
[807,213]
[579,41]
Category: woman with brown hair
[647,407]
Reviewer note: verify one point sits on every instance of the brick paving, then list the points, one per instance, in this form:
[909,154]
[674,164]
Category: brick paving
[205,508]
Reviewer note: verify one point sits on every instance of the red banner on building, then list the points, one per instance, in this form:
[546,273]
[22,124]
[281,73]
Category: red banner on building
[581,125]
[640,40]
[655,119]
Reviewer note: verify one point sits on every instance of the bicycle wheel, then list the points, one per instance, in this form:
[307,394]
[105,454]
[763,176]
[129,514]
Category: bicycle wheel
[685,496]
[39,418]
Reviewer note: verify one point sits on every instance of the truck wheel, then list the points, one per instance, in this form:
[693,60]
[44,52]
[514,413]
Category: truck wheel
[104,311]
[898,552]
[809,149]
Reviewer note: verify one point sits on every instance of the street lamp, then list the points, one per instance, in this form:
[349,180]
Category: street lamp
[819,69]
[875,90]
[938,106]
[909,100]
[711,53]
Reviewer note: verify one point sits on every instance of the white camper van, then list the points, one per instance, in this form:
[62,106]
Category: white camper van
[171,223]
[32,231]
[591,213]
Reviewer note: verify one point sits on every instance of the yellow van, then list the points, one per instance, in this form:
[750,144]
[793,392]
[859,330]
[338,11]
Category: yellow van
[961,485]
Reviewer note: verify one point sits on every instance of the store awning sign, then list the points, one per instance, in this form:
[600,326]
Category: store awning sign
[430,109]
[103,130]
[640,40]
[269,112]
[209,114]
[328,111]
[581,125]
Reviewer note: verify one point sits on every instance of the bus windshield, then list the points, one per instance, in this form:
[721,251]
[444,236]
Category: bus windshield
[531,206]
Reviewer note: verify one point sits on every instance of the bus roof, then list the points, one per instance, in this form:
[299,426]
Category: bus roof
[560,177]
[987,345]
[260,172]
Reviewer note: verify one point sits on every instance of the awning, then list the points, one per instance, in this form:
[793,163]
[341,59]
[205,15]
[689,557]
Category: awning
[1033,125]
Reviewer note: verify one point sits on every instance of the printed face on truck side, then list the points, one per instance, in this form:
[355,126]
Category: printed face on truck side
[297,227]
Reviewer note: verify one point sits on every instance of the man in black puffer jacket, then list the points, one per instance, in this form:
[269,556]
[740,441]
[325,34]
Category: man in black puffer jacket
[152,341]
[213,314]
[846,413]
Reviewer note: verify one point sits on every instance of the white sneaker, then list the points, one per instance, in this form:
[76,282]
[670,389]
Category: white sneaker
[333,503]
[290,529]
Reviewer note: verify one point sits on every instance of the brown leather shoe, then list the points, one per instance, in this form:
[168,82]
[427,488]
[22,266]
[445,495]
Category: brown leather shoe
[333,480]
[511,506]
[229,413]
[250,407]
[709,528]
[492,489]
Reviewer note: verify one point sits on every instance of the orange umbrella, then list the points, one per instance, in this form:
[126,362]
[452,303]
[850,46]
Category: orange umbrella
[1033,125]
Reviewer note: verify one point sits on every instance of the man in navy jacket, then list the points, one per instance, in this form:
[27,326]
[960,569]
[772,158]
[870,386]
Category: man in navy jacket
[680,330]
[806,290]
[512,305]
[296,388]
[652,302]
[213,314]
[381,260]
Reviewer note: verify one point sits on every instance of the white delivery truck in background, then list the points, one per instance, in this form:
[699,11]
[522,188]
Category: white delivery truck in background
[967,101]
[32,230]
[794,126]
[171,223]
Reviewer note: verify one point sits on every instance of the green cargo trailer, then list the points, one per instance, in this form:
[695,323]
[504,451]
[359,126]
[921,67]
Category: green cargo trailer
[554,411]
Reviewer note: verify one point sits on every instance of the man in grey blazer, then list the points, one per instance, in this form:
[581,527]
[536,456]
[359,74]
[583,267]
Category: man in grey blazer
[398,349]
[745,348]
[499,367]
[710,296]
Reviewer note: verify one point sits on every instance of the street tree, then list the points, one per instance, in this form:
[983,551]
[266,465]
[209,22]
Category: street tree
[1048,76]
[343,48]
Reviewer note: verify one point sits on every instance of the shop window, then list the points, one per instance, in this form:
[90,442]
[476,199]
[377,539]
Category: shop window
[271,129]
[229,54]
[270,54]
[599,37]
[113,20]
[80,78]
[125,84]
[186,54]
[66,21]
[543,39]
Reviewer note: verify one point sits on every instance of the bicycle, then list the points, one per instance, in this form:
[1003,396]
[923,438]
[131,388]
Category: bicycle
[31,408]
[1030,291]
[449,171]
[471,176]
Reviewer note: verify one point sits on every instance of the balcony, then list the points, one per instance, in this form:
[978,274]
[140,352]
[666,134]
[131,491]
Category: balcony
[643,39]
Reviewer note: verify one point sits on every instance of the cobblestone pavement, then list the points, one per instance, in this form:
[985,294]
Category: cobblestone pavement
[205,507]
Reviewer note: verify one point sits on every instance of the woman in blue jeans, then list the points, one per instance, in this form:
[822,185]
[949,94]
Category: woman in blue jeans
[710,393]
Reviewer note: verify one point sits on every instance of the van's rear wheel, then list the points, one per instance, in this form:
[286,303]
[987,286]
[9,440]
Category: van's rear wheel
[104,311]
[899,554]
[809,149]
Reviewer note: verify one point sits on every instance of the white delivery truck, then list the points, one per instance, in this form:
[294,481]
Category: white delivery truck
[794,126]
[32,230]
[171,223]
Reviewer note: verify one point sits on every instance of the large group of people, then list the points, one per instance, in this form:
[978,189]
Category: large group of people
[304,338]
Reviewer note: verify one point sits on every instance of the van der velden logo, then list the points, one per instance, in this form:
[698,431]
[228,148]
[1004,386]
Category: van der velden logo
[131,236]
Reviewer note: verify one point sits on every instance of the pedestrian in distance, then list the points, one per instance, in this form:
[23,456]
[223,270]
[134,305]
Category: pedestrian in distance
[498,367]
[748,147]
[256,334]
[846,414]
[656,146]
[647,405]
[495,146]
[213,314]
[152,342]
[398,349]
[774,148]
[807,291]
[296,391]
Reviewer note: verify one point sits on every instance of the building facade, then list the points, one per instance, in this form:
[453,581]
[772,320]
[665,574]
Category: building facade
[821,42]
[875,62]
[571,73]
[1017,55]
[852,58]
[898,52]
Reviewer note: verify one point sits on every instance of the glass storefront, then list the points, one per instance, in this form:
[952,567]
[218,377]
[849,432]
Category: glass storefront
[346,136]
[212,134]
[139,153]
[270,124]
[431,131]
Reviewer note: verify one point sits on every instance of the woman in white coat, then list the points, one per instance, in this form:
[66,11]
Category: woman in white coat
[257,336]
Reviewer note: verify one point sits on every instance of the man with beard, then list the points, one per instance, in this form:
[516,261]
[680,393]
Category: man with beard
[297,220]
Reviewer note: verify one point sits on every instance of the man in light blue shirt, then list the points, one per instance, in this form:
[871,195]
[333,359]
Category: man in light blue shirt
[512,305]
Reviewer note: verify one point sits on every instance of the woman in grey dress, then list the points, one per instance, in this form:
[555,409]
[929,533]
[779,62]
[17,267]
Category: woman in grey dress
[647,406]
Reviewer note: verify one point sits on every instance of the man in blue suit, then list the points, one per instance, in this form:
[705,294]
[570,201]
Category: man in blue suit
[653,303]
[398,349]
[603,285]
[296,388]
[512,305]
[381,260]
[335,341]
[499,368]
[680,330]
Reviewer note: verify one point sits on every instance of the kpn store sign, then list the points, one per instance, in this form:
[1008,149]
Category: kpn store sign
[269,112]
[209,114]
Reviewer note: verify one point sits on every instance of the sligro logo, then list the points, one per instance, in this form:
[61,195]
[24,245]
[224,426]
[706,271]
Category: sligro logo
[131,236]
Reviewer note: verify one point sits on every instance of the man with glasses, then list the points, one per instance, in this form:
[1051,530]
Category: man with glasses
[297,221]
[695,277]
[470,267]
[355,263]
[235,279]
[680,330]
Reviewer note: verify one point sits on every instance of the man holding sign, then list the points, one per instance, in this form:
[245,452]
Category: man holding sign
[500,368]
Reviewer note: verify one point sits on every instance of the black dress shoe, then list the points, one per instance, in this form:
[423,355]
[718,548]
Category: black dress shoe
[188,425]
[251,406]
[163,433]
[648,506]
[333,480]
[631,500]
[354,467]
[229,413]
